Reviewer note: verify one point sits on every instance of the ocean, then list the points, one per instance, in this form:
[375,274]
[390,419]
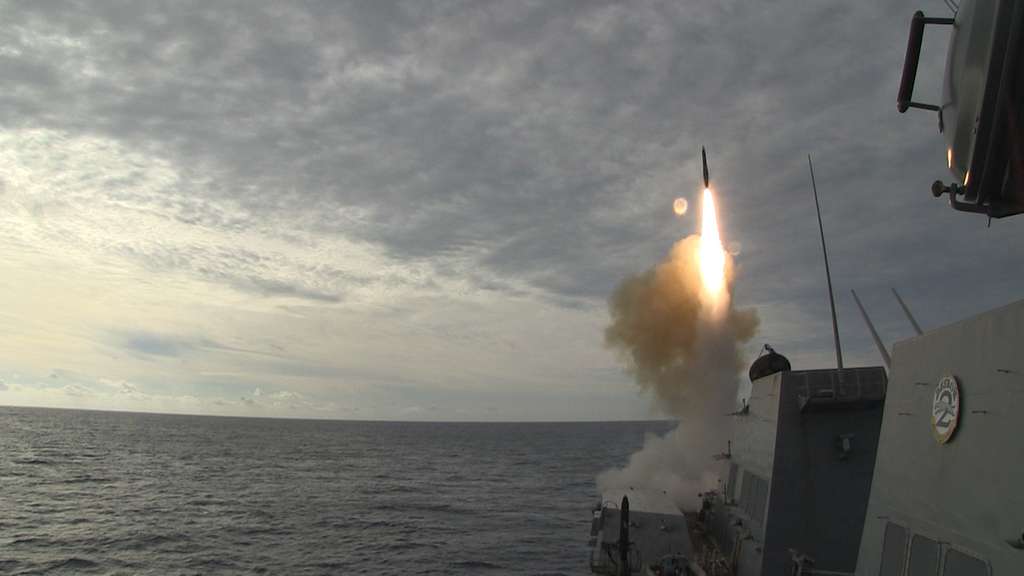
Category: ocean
[85,492]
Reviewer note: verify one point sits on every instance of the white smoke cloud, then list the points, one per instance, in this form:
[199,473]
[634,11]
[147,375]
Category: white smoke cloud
[688,358]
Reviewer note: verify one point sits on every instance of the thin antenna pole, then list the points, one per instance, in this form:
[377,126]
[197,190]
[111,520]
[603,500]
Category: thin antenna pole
[917,327]
[874,334]
[828,274]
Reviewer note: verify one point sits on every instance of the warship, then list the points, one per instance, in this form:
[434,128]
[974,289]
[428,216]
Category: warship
[906,469]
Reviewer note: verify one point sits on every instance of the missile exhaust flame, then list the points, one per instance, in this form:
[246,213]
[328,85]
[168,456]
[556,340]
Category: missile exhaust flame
[711,254]
[682,340]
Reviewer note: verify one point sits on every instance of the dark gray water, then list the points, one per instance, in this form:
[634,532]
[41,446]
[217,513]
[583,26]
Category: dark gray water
[114,493]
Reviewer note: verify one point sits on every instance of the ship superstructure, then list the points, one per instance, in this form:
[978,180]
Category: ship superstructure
[841,472]
[946,498]
[800,470]
[917,471]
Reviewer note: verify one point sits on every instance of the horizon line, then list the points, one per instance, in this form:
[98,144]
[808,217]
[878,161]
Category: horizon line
[334,419]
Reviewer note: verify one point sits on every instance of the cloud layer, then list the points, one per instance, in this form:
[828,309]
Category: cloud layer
[420,208]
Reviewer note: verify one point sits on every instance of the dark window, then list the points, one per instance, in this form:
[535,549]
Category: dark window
[753,496]
[960,564]
[760,496]
[730,487]
[755,493]
[924,557]
[764,499]
[745,496]
[894,545]
[758,493]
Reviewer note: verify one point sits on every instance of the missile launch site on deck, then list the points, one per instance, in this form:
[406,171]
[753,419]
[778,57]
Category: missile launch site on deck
[911,468]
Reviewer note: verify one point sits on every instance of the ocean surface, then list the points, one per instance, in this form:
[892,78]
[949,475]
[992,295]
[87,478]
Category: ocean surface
[118,493]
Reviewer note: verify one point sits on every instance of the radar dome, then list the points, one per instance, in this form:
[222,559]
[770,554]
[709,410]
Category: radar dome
[768,363]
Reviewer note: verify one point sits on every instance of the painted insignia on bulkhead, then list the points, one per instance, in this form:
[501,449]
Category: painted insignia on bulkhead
[946,408]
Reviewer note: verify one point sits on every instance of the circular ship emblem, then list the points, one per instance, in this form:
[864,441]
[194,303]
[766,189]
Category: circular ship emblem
[946,408]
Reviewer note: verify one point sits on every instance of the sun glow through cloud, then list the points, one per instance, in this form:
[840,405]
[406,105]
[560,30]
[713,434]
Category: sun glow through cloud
[679,206]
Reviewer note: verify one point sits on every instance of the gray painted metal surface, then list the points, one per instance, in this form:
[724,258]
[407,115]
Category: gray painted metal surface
[967,494]
[657,529]
[804,453]
[824,461]
[967,67]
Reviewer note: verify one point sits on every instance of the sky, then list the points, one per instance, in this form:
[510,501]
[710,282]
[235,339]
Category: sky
[418,210]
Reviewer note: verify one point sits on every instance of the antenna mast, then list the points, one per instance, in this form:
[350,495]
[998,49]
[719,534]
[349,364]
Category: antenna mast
[874,333]
[913,322]
[828,274]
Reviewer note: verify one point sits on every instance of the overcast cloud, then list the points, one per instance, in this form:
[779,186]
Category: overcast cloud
[418,209]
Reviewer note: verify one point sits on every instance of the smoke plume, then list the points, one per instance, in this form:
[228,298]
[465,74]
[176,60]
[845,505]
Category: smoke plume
[686,354]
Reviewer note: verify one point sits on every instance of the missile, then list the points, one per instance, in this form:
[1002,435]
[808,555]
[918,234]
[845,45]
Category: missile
[704,157]
[624,537]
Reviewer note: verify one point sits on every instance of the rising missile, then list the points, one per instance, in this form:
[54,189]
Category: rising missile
[704,157]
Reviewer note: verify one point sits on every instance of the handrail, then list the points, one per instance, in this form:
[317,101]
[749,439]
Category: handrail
[917,24]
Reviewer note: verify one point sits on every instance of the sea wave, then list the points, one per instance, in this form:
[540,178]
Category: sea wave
[195,495]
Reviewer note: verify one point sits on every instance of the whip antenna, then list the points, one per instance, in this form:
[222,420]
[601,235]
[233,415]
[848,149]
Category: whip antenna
[828,274]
